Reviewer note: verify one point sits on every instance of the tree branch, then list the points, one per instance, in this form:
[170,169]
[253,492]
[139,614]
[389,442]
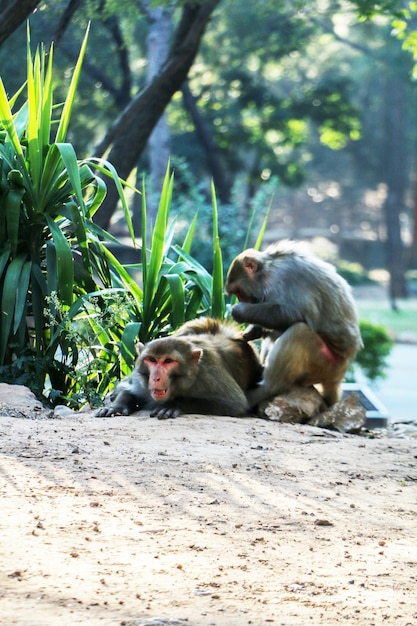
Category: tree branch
[131,131]
[14,15]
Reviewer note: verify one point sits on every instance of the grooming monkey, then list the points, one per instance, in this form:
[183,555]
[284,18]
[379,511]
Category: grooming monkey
[301,301]
[204,367]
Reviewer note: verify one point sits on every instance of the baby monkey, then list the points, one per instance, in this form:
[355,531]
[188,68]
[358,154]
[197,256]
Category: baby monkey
[206,367]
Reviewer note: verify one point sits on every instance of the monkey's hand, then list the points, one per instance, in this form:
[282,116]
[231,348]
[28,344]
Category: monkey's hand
[238,312]
[165,412]
[111,411]
[253,332]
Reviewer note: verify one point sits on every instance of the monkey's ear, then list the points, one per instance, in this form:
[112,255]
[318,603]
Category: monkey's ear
[139,347]
[250,265]
[196,356]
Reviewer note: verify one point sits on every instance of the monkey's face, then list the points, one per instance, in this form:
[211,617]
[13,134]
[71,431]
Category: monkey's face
[168,364]
[244,278]
[161,369]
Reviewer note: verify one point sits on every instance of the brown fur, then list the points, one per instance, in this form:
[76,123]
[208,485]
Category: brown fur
[215,367]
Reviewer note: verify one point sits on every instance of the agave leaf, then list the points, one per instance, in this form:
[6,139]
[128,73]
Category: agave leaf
[128,342]
[21,295]
[39,290]
[69,159]
[262,230]
[4,256]
[35,156]
[47,101]
[176,288]
[8,301]
[157,247]
[107,169]
[13,201]
[7,122]
[186,246]
[69,101]
[72,212]
[218,303]
[64,262]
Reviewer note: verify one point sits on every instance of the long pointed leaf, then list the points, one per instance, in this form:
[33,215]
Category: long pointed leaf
[6,118]
[262,230]
[4,257]
[218,303]
[21,295]
[66,112]
[64,261]
[69,159]
[8,302]
[13,201]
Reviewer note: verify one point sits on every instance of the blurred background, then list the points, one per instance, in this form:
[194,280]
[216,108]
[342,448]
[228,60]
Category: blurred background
[308,108]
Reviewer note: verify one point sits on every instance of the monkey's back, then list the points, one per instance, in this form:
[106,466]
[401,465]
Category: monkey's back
[308,285]
[224,340]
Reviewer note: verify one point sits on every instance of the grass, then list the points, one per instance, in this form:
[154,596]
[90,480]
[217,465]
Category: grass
[379,311]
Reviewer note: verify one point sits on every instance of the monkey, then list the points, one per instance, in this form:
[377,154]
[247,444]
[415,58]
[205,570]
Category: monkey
[204,367]
[307,312]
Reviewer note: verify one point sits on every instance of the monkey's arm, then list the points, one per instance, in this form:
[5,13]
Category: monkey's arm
[268,315]
[129,396]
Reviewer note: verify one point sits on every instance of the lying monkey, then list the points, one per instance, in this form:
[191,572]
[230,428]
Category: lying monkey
[204,367]
[294,296]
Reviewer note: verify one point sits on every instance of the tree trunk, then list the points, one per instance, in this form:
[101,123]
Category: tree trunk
[131,131]
[159,142]
[412,252]
[394,175]
[211,149]
[13,15]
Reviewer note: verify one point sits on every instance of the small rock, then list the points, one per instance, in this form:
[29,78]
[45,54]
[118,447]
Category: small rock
[297,406]
[62,411]
[346,416]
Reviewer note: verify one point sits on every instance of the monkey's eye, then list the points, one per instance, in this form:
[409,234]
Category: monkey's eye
[169,360]
[151,359]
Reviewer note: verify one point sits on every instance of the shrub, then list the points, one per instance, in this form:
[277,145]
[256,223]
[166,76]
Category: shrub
[51,252]
[371,359]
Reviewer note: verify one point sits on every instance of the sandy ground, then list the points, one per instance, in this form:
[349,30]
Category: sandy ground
[204,521]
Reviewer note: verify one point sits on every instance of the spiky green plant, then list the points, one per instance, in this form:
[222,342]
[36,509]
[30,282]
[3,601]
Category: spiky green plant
[48,241]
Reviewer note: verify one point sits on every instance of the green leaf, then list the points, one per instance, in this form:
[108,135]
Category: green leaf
[262,230]
[7,123]
[218,303]
[190,234]
[176,288]
[69,101]
[8,302]
[21,295]
[128,342]
[4,257]
[64,262]
[13,201]
[69,159]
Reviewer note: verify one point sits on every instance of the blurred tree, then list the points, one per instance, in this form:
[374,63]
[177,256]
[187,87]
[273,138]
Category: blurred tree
[264,101]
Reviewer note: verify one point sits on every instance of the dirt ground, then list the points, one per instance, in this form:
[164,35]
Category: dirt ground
[204,521]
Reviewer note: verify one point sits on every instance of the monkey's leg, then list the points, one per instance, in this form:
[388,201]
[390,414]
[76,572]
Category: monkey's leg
[299,358]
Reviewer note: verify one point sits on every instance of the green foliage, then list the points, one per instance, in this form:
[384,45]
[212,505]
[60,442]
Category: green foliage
[51,252]
[353,273]
[235,225]
[371,359]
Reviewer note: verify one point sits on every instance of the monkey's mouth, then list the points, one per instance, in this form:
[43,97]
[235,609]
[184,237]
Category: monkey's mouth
[159,394]
[240,296]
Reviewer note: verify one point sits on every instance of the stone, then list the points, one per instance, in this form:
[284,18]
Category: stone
[346,416]
[298,406]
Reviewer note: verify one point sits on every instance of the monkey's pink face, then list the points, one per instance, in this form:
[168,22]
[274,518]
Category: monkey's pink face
[161,369]
[241,295]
